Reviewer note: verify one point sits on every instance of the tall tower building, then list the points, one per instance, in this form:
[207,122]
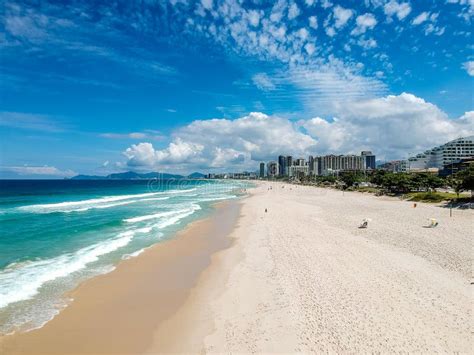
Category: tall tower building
[369,159]
[281,165]
[311,164]
[289,163]
[262,170]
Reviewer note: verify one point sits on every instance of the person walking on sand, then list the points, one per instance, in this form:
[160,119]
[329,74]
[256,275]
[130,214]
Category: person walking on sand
[265,210]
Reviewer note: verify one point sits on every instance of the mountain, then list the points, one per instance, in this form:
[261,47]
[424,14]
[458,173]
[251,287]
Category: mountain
[196,175]
[129,175]
[88,177]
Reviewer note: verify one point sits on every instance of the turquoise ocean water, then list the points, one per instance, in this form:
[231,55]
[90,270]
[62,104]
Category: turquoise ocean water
[57,233]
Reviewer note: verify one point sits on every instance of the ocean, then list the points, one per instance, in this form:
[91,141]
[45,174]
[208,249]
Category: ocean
[55,234]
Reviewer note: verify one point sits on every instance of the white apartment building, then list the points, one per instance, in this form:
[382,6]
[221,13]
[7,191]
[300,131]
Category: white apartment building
[298,171]
[330,164]
[445,154]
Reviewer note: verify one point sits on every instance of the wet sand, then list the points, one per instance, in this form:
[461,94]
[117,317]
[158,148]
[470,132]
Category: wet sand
[119,312]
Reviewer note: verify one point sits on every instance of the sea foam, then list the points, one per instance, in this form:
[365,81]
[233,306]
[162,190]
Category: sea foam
[21,281]
[98,203]
[185,211]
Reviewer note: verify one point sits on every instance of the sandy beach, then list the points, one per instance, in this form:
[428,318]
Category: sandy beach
[299,278]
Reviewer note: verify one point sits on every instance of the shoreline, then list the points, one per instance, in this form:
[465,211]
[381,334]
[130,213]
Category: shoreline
[117,305]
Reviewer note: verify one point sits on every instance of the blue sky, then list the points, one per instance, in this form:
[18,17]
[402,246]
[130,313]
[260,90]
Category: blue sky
[100,87]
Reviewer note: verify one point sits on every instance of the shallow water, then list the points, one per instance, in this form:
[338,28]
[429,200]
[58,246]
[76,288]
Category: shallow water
[57,233]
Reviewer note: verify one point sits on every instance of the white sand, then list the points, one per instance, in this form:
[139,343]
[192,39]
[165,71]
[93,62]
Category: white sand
[304,278]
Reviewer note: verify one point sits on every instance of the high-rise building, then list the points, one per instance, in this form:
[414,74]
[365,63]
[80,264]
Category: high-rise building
[438,157]
[272,169]
[289,162]
[300,162]
[311,165]
[369,160]
[298,171]
[395,166]
[282,165]
[262,170]
[330,164]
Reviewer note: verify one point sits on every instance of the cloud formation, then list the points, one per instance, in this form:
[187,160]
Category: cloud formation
[469,67]
[398,9]
[30,121]
[391,127]
[364,22]
[148,134]
[44,171]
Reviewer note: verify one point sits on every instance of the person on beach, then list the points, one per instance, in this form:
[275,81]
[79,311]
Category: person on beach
[365,223]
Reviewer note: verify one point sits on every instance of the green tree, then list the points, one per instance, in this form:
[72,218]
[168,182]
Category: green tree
[433,182]
[456,183]
[376,177]
[467,178]
[399,182]
[348,178]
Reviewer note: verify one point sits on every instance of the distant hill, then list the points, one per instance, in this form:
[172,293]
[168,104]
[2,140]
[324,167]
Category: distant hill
[88,177]
[129,175]
[196,175]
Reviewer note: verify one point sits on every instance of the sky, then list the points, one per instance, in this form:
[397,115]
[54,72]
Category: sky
[180,86]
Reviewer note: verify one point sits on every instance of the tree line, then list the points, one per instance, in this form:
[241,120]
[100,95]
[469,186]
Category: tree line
[401,182]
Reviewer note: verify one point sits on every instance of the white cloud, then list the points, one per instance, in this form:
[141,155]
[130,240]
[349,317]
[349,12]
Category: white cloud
[420,18]
[30,121]
[254,17]
[288,46]
[310,48]
[313,22]
[223,143]
[401,10]
[469,67]
[430,27]
[330,31]
[178,152]
[133,135]
[364,22]
[207,4]
[293,11]
[263,82]
[310,3]
[318,89]
[436,30]
[467,8]
[150,134]
[46,171]
[341,16]
[303,34]
[367,43]
[391,126]
[325,4]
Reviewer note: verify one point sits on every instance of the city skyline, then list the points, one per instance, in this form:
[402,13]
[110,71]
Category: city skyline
[434,159]
[177,86]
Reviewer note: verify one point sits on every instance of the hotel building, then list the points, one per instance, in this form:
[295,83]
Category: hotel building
[438,157]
